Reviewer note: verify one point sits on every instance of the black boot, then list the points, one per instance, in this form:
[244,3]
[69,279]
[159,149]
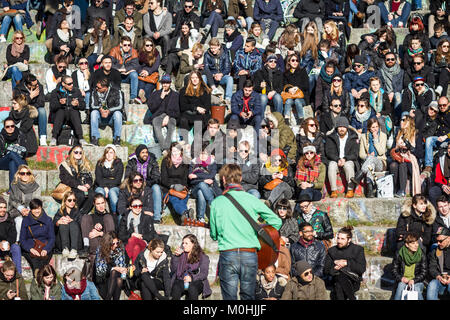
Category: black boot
[354,182]
[370,189]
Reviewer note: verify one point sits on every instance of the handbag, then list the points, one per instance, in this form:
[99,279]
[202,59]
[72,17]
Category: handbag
[287,95]
[10,13]
[396,156]
[60,190]
[179,194]
[410,293]
[151,78]
[273,184]
[353,276]
[38,245]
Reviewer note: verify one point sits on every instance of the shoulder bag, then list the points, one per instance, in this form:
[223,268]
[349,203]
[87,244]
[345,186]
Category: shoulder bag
[287,95]
[272,184]
[151,78]
[38,244]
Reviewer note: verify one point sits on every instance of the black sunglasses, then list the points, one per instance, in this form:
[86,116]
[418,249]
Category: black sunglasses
[22,173]
[71,200]
[282,208]
[138,180]
[390,59]
[307,273]
[9,127]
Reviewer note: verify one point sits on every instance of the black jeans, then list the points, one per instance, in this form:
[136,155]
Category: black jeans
[164,43]
[36,263]
[173,63]
[69,234]
[344,287]
[69,116]
[400,172]
[195,288]
[150,287]
[84,203]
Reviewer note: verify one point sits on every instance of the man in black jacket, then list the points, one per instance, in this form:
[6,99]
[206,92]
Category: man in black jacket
[164,108]
[186,14]
[269,81]
[342,151]
[442,218]
[34,91]
[107,71]
[309,249]
[144,162]
[439,265]
[65,104]
[346,263]
[107,108]
[102,9]
[419,69]
[328,119]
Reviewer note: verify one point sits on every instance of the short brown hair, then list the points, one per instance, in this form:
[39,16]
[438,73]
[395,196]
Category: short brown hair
[231,172]
[214,42]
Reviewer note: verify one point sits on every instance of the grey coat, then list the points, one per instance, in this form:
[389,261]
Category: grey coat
[165,27]
[19,200]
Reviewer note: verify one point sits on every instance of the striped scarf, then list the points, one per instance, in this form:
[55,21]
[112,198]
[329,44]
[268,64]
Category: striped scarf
[309,171]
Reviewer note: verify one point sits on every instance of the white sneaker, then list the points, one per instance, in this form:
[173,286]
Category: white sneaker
[65,253]
[43,140]
[2,38]
[83,142]
[438,90]
[73,254]
[53,142]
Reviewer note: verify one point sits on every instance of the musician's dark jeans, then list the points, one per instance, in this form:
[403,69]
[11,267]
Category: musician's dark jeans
[235,267]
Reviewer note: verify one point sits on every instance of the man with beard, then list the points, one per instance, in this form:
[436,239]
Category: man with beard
[345,263]
[419,69]
[328,119]
[309,249]
[144,162]
[443,217]
[439,265]
[106,71]
[392,78]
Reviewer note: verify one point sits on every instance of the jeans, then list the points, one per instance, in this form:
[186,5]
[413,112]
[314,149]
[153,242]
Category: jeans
[272,25]
[70,234]
[277,102]
[215,22]
[42,121]
[11,161]
[147,87]
[157,202]
[86,99]
[92,60]
[430,143]
[435,287]
[235,267]
[114,119]
[15,254]
[248,20]
[15,75]
[179,205]
[255,193]
[18,23]
[228,82]
[132,78]
[205,195]
[254,121]
[299,103]
[403,18]
[402,286]
[164,142]
[113,197]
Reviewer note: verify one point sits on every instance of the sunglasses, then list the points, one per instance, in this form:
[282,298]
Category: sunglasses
[188,7]
[18,38]
[337,105]
[294,60]
[115,243]
[82,62]
[440,241]
[390,59]
[70,200]
[9,127]
[402,120]
[137,206]
[137,180]
[245,151]
[417,63]
[61,67]
[78,152]
[149,45]
[277,160]
[337,80]
[311,125]
[442,105]
[309,152]
[23,173]
[272,61]
[307,273]
[357,65]
[419,84]
[69,84]
[126,44]
[446,46]
[282,208]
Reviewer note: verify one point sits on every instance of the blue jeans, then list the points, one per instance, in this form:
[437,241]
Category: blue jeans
[42,121]
[147,87]
[299,103]
[430,143]
[179,205]
[132,79]
[92,60]
[402,286]
[435,288]
[18,24]
[273,26]
[277,102]
[353,11]
[11,161]
[235,267]
[86,99]
[228,82]
[254,121]
[248,20]
[15,75]
[215,22]
[205,195]
[113,197]
[403,18]
[255,193]
[114,119]
[157,201]
[16,256]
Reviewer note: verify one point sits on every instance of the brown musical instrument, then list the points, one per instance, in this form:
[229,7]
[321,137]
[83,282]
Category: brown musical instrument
[266,255]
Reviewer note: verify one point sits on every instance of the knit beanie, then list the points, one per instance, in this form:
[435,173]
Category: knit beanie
[302,266]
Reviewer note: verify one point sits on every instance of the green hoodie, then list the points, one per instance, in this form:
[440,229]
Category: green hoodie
[285,134]
[229,226]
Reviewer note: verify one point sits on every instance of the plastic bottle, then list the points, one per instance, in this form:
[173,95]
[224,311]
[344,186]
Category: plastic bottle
[186,283]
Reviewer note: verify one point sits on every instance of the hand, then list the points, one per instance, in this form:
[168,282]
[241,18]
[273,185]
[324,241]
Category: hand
[369,39]
[412,113]
[144,73]
[43,253]
[286,240]
[263,84]
[104,113]
[187,279]
[292,90]
[442,138]
[405,280]
[98,227]
[271,94]
[305,185]
[446,189]
[156,35]
[99,58]
[218,10]
[192,176]
[82,188]
[274,175]
[178,251]
[165,121]
[441,280]
[34,93]
[136,235]
[144,270]
[75,102]
[411,283]
[242,72]
[391,96]
[218,76]
[390,16]
[201,110]
[34,252]
[149,213]
[1,245]
[62,101]
[209,181]
[11,294]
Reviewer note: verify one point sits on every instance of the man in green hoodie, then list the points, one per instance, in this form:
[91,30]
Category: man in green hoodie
[238,241]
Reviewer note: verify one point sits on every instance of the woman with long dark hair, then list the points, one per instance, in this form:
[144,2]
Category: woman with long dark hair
[297,79]
[46,285]
[63,41]
[98,43]
[440,62]
[149,63]
[190,267]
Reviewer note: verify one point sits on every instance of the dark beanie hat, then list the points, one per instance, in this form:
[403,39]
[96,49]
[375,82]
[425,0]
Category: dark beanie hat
[2,200]
[359,59]
[342,122]
[302,266]
[140,148]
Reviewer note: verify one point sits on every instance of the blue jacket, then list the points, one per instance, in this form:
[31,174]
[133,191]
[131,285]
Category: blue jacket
[355,123]
[271,10]
[352,80]
[41,228]
[90,293]
[237,103]
[217,64]
[251,61]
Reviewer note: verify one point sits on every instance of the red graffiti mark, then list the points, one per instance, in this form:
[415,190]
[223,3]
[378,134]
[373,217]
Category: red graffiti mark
[52,154]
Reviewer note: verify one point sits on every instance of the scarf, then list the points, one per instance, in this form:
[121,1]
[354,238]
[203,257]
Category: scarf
[233,187]
[409,156]
[176,161]
[10,138]
[133,221]
[306,244]
[308,216]
[267,286]
[414,53]
[65,37]
[447,166]
[131,33]
[185,267]
[141,167]
[388,75]
[108,164]
[276,169]
[98,47]
[231,37]
[3,219]
[324,75]
[363,117]
[409,257]
[16,49]
[97,217]
[310,171]
[372,144]
[74,292]
[56,73]
[376,100]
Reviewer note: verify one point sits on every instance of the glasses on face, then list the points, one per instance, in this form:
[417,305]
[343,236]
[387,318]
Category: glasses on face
[277,160]
[445,46]
[419,84]
[137,206]
[304,207]
[70,200]
[272,61]
[78,152]
[417,63]
[264,126]
[443,105]
[18,38]
[361,105]
[148,45]
[312,125]
[82,62]
[126,44]
[440,241]
[138,180]
[294,60]
[403,120]
[390,59]
[243,150]
[9,127]
[337,105]
[337,80]
[357,65]
[307,273]
[23,173]
[115,243]
[188,7]
[282,208]
[309,152]
[69,84]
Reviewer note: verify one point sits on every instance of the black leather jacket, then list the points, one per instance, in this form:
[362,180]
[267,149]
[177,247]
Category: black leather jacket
[313,254]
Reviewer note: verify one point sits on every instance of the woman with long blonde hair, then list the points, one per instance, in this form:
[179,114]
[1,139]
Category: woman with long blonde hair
[76,172]
[407,149]
[16,52]
[24,188]
[336,38]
